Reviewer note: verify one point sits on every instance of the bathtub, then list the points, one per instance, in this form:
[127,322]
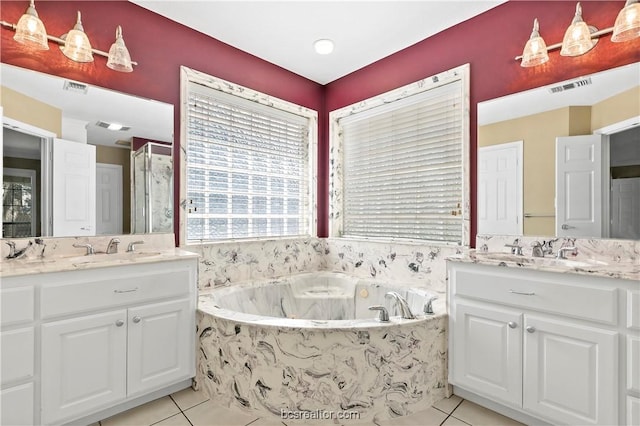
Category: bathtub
[308,346]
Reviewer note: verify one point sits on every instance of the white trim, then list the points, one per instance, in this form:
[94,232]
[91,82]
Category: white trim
[619,126]
[27,128]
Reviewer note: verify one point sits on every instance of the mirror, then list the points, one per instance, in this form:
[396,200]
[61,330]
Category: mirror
[40,113]
[563,160]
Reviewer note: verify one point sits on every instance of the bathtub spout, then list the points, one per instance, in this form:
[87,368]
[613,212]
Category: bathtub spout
[405,312]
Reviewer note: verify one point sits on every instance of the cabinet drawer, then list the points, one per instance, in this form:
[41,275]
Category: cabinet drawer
[93,294]
[555,293]
[16,405]
[17,347]
[17,305]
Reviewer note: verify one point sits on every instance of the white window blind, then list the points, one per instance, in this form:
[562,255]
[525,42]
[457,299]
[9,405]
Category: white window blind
[247,168]
[403,168]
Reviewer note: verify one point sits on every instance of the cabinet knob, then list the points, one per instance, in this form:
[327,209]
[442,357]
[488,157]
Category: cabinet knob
[119,323]
[136,319]
[530,328]
[512,324]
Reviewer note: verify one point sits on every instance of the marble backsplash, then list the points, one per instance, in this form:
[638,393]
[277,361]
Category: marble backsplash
[611,251]
[51,247]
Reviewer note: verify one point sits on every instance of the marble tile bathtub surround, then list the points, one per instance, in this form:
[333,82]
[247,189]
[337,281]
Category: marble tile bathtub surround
[223,264]
[52,247]
[381,372]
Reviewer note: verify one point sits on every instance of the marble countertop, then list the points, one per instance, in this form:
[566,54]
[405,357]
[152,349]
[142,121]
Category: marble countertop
[31,266]
[581,266]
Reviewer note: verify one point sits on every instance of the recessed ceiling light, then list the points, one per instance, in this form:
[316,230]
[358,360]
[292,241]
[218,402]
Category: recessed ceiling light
[114,126]
[324,46]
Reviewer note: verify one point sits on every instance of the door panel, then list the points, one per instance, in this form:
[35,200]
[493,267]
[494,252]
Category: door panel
[570,372]
[625,208]
[487,353]
[74,188]
[108,199]
[579,186]
[159,338]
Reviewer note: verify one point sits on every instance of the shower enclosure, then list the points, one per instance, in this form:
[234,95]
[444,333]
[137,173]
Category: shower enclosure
[152,195]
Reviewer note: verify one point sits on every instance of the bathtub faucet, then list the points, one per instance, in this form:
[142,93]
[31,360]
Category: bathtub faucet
[405,312]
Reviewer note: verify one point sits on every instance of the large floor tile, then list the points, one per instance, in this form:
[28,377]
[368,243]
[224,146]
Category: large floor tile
[177,420]
[476,415]
[267,422]
[144,415]
[448,404]
[210,414]
[452,421]
[188,398]
[428,417]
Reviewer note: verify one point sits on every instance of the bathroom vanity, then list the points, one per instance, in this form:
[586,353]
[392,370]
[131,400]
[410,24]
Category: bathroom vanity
[86,337]
[546,340]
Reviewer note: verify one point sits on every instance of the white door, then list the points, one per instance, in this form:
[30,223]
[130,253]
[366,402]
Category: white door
[159,338]
[74,188]
[84,365]
[570,372]
[487,352]
[625,208]
[108,199]
[500,189]
[579,186]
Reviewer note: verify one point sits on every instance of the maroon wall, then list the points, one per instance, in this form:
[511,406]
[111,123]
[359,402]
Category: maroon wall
[159,45]
[490,42]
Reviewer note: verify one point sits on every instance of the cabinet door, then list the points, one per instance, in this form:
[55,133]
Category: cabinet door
[570,372]
[487,354]
[16,405]
[161,348]
[83,364]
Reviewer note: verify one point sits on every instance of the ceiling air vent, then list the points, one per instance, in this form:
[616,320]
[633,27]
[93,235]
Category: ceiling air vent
[572,85]
[106,125]
[72,86]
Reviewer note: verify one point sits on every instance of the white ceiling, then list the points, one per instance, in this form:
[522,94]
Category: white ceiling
[283,32]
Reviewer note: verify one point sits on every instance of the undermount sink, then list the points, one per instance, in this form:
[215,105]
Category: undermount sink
[542,261]
[103,257]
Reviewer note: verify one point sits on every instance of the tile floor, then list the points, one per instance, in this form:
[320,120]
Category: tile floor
[190,408]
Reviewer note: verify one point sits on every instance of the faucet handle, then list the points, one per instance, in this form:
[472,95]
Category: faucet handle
[132,246]
[89,248]
[384,315]
[428,307]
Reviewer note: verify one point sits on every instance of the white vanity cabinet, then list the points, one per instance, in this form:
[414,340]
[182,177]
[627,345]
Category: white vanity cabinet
[543,344]
[110,337]
[17,345]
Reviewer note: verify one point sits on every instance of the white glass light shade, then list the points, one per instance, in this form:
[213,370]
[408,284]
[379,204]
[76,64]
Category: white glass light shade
[577,39]
[323,46]
[535,51]
[119,58]
[30,30]
[76,44]
[627,24]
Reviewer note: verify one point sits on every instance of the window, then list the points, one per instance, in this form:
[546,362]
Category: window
[247,166]
[403,163]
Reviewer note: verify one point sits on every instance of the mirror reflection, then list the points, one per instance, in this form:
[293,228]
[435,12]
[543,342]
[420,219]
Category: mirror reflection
[68,154]
[563,160]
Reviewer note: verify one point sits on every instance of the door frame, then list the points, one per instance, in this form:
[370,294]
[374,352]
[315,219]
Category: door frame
[606,132]
[45,172]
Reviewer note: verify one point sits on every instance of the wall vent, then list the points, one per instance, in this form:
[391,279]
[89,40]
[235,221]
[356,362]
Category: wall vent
[571,85]
[72,86]
[105,125]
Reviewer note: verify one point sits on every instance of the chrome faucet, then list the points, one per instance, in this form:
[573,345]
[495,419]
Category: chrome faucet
[405,312]
[89,248]
[428,307]
[112,247]
[563,250]
[516,248]
[132,246]
[384,315]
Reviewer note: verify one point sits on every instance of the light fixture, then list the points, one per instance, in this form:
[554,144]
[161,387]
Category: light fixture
[75,45]
[119,58]
[535,51]
[580,38]
[577,39]
[324,46]
[115,126]
[627,24]
[30,29]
